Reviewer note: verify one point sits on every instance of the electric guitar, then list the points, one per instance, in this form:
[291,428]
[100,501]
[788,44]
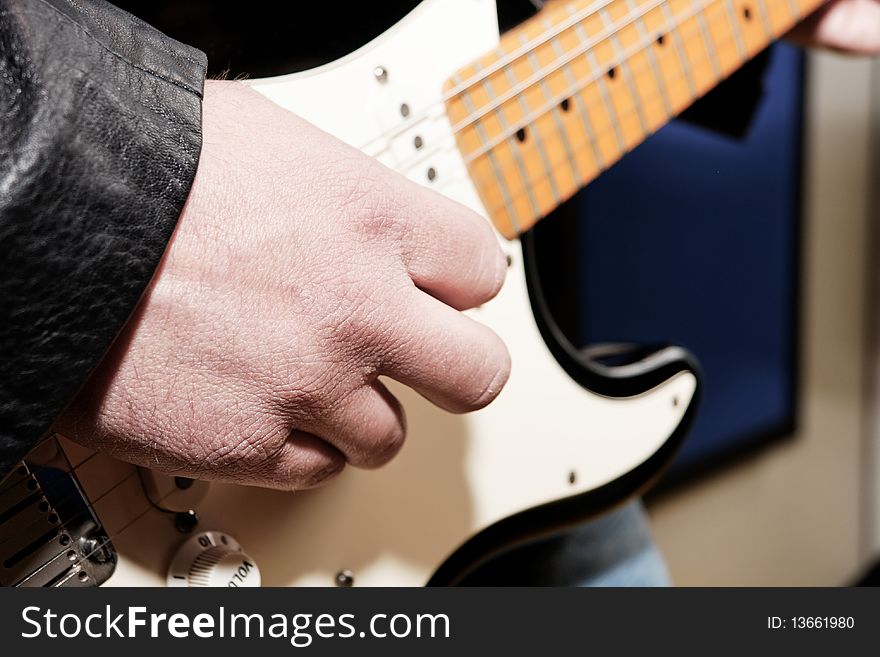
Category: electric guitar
[511,127]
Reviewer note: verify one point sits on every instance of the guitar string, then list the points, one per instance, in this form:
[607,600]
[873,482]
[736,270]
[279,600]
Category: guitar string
[549,34]
[68,497]
[70,469]
[449,144]
[629,54]
[79,514]
[525,48]
[62,499]
[43,489]
[542,74]
[630,109]
[150,507]
[425,113]
[71,564]
[503,62]
[419,157]
[109,539]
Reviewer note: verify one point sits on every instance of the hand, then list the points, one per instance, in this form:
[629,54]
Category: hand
[300,271]
[851,26]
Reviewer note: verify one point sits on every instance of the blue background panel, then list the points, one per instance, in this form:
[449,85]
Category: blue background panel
[693,239]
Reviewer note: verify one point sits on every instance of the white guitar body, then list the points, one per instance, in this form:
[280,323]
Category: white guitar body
[545,439]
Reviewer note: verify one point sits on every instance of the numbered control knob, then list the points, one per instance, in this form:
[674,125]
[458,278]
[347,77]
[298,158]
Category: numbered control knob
[212,559]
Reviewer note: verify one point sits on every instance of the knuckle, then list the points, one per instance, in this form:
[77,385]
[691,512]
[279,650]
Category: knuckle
[364,323]
[355,318]
[372,207]
[305,393]
[308,387]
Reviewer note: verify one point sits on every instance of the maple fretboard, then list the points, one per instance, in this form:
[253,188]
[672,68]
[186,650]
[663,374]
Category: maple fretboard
[571,90]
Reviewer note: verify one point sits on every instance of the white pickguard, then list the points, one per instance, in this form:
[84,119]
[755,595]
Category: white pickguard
[456,474]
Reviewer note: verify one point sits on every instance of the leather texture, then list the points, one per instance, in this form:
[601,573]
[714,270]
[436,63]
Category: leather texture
[99,141]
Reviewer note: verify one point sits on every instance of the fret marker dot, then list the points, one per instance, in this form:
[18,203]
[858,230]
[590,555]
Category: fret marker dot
[521,135]
[404,110]
[747,13]
[432,173]
[418,142]
[612,72]
[565,105]
[660,40]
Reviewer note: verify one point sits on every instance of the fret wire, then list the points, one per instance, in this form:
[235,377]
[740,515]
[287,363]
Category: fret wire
[708,41]
[460,86]
[569,77]
[795,9]
[486,84]
[535,133]
[624,67]
[560,124]
[493,163]
[576,17]
[736,28]
[569,57]
[652,60]
[469,157]
[580,87]
[765,19]
[560,129]
[582,107]
[631,109]
[490,209]
[590,56]
[580,104]
[675,26]
[683,61]
[451,93]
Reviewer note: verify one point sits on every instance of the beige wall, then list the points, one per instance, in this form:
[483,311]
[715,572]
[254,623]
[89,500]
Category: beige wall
[872,447]
[796,513]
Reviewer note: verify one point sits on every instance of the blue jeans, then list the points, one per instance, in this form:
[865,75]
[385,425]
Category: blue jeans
[614,550]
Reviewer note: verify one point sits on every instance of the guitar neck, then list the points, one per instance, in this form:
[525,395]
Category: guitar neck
[567,93]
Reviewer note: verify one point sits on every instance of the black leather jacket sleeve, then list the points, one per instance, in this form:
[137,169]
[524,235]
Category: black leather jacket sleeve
[100,133]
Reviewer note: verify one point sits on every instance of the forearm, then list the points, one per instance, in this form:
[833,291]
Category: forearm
[98,148]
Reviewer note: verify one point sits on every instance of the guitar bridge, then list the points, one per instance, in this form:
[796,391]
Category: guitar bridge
[49,534]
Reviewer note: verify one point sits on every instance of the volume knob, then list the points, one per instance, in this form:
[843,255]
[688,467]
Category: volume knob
[212,559]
